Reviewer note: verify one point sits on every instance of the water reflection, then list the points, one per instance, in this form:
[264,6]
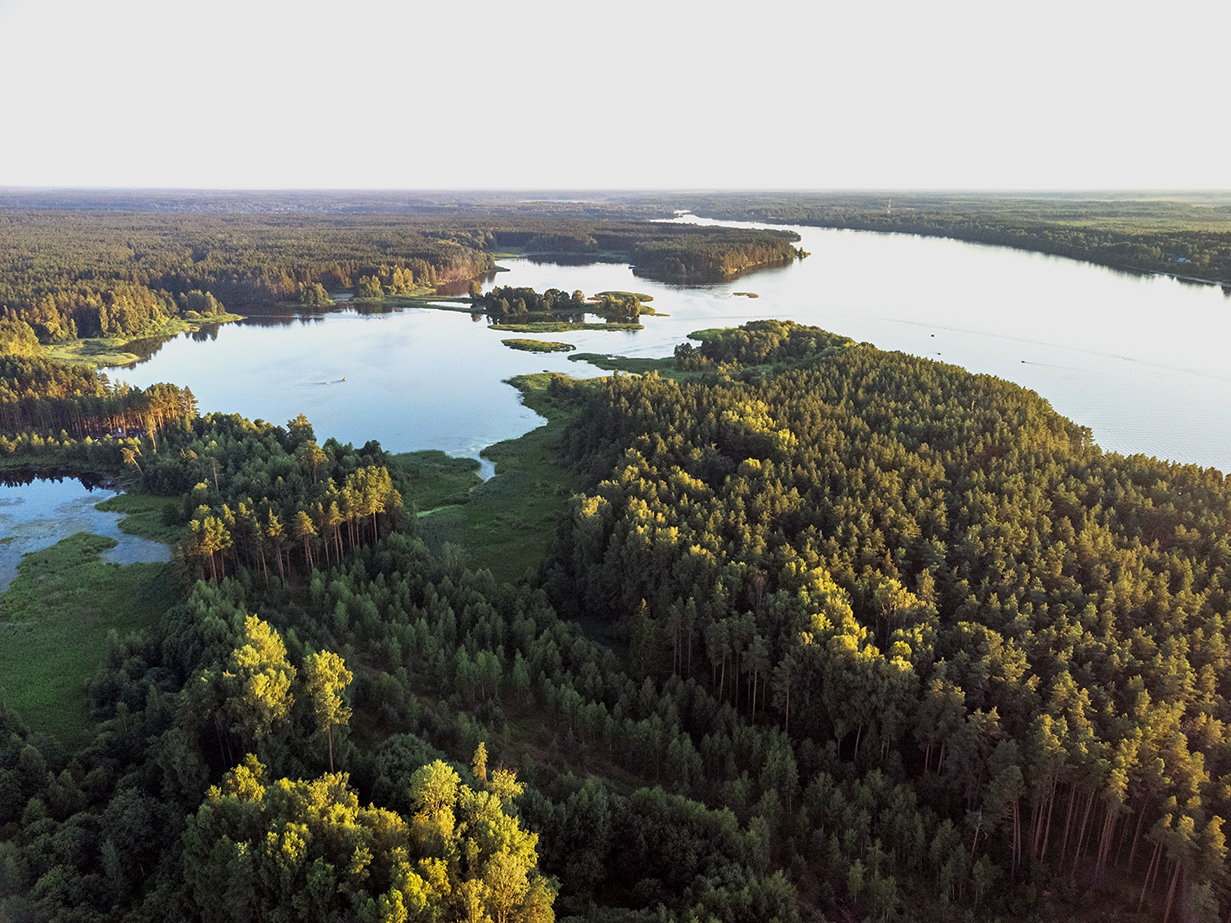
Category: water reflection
[568,259]
[146,347]
[462,286]
[205,333]
[282,316]
[19,477]
[1199,283]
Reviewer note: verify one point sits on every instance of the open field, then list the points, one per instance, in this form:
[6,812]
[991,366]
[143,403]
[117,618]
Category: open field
[510,519]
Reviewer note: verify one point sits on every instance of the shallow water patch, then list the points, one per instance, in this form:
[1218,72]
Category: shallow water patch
[36,515]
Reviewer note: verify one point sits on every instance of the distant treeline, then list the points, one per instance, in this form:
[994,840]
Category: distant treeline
[100,273]
[1184,238]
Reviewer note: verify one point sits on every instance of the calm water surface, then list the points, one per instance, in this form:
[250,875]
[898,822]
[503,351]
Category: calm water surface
[1140,360]
[37,515]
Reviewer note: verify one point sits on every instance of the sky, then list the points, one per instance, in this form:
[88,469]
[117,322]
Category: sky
[664,94]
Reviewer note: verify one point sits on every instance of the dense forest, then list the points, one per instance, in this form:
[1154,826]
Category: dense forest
[829,630]
[1184,235]
[82,273]
[125,270]
[509,301]
[945,585]
[674,252]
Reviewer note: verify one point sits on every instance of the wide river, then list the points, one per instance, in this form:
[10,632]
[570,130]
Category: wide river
[1141,360]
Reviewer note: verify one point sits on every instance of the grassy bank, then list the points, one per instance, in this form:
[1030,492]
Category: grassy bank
[435,479]
[507,522]
[56,618]
[664,367]
[406,299]
[103,352]
[145,516]
[640,296]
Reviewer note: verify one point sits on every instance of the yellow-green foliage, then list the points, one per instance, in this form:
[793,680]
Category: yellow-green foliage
[17,338]
[256,686]
[306,850]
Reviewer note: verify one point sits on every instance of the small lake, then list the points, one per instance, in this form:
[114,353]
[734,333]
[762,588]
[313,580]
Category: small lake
[37,515]
[1138,359]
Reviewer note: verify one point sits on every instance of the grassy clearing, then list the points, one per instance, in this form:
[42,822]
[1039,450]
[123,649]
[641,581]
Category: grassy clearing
[54,623]
[509,520]
[436,480]
[104,352]
[95,352]
[539,346]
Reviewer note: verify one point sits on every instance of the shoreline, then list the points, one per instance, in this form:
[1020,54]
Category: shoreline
[110,352]
[1119,267]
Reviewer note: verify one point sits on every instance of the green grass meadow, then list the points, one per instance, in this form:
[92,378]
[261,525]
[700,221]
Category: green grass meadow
[55,620]
[507,522]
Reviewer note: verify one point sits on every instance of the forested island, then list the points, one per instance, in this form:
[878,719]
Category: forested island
[798,629]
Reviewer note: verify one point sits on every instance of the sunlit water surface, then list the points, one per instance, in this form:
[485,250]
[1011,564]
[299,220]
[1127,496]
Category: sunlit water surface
[1138,359]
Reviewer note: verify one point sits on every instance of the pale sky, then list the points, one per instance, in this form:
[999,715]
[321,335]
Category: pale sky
[1057,94]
